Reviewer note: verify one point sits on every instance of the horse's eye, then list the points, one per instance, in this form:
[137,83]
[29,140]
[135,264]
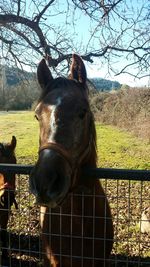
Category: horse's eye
[82,113]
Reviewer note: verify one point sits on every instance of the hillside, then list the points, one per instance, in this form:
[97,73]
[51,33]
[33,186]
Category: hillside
[18,89]
[105,85]
[13,76]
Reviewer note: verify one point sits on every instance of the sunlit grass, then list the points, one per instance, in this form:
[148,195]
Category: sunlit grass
[119,149]
[24,126]
[116,148]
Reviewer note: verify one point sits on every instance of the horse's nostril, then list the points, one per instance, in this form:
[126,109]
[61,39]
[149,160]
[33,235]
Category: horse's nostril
[50,179]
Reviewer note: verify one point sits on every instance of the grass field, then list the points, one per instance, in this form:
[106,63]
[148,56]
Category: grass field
[24,126]
[117,149]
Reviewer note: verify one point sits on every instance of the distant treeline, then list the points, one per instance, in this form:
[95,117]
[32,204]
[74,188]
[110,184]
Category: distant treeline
[19,89]
[128,108]
[19,97]
[14,76]
[105,85]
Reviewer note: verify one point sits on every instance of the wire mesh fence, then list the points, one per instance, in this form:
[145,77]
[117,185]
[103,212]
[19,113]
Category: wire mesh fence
[129,199]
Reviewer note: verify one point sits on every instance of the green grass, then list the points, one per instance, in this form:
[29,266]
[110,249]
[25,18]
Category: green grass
[24,126]
[119,149]
[116,148]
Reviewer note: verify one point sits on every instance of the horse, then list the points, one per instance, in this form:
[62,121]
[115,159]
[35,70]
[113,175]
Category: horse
[7,191]
[75,216]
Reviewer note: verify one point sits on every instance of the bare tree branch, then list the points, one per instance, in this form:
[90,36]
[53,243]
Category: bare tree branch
[116,30]
[21,34]
[39,16]
[10,18]
[19,7]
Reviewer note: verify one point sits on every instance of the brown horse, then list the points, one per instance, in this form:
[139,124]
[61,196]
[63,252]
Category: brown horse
[7,191]
[75,218]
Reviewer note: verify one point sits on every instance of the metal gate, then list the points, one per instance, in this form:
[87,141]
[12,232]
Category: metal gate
[128,193]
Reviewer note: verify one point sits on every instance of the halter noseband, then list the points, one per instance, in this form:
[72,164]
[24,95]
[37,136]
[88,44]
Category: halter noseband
[64,153]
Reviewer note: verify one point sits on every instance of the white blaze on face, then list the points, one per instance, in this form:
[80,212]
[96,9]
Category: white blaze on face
[53,125]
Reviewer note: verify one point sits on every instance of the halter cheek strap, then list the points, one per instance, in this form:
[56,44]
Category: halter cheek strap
[64,153]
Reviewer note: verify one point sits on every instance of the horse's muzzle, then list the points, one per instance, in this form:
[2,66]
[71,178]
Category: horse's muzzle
[50,180]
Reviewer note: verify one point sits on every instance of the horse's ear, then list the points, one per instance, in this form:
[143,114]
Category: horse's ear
[43,74]
[13,142]
[78,71]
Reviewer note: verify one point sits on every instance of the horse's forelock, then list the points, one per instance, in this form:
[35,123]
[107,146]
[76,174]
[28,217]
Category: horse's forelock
[61,82]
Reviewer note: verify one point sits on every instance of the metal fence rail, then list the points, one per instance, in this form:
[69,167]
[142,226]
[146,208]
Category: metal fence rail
[129,203]
[97,173]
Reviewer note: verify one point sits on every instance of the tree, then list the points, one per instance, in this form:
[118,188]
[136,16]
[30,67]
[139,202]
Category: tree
[118,31]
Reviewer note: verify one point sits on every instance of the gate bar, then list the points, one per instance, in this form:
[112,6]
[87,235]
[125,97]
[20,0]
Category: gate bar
[117,174]
[97,173]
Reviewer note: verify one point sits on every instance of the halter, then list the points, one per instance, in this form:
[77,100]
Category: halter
[65,154]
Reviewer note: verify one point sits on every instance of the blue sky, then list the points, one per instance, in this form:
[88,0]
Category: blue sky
[82,26]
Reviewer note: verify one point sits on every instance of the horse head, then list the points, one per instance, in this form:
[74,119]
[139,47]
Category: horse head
[67,133]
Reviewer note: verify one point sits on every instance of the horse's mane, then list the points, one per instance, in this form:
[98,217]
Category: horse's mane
[92,159]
